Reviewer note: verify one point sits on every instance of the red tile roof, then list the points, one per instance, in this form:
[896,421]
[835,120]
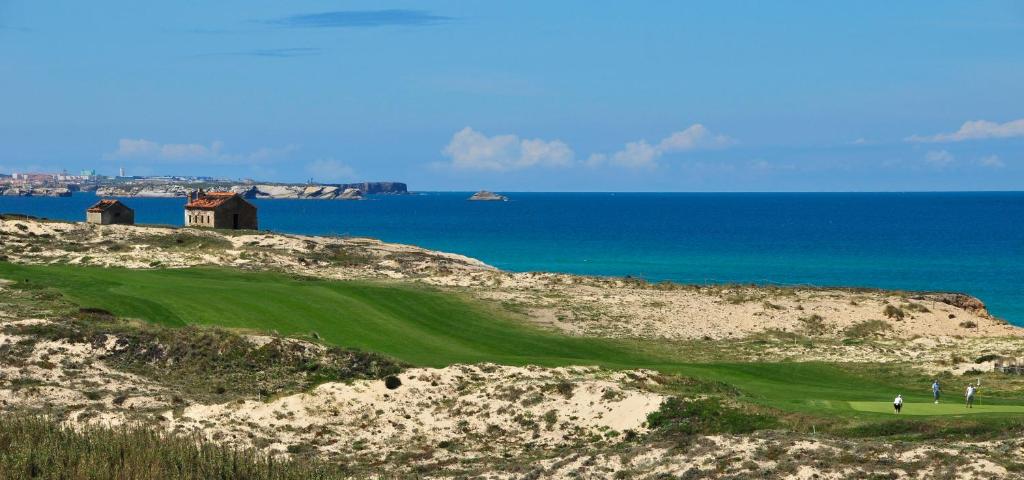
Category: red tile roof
[102,205]
[210,200]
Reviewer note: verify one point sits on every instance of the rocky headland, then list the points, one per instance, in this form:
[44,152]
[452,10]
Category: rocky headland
[11,191]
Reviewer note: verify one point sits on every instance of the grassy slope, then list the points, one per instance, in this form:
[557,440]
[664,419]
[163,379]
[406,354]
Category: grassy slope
[426,327]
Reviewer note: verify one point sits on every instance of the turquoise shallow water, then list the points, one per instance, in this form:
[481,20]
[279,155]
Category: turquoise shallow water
[967,242]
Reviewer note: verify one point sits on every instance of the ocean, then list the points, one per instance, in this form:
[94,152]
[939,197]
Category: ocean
[963,242]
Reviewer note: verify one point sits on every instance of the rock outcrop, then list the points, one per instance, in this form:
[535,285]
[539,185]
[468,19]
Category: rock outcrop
[485,196]
[35,191]
[351,194]
[959,300]
[146,191]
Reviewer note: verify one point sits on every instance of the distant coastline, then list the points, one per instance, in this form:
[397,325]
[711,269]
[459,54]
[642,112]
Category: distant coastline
[63,185]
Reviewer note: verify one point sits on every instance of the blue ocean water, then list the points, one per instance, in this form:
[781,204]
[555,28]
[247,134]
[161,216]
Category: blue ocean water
[966,242]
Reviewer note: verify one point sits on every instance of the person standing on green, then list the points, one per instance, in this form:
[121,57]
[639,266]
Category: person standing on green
[935,390]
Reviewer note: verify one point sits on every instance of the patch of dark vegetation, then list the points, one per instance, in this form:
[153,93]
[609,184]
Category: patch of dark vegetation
[678,385]
[95,313]
[867,328]
[39,448]
[214,364]
[679,418]
[738,298]
[341,255]
[894,312]
[968,324]
[184,240]
[771,306]
[814,324]
[987,358]
[916,307]
[392,382]
[932,428]
[564,388]
[16,216]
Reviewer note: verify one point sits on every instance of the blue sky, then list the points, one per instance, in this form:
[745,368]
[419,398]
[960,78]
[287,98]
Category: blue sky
[516,96]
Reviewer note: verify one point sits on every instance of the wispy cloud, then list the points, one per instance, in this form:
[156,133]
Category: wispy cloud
[472,150]
[939,158]
[137,150]
[361,18]
[992,161]
[268,53]
[975,130]
[640,154]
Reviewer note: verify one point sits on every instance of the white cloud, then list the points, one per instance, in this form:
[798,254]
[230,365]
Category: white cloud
[939,158]
[640,154]
[129,149]
[975,130]
[472,150]
[329,170]
[992,161]
[695,137]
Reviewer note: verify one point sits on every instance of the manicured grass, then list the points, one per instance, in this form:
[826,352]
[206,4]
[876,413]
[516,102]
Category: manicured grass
[433,328]
[929,408]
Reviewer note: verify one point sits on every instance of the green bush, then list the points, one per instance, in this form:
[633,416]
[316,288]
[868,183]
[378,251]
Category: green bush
[894,312]
[866,329]
[916,307]
[986,358]
[814,324]
[680,417]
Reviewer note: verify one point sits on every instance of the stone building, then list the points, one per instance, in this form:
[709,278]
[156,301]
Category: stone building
[108,212]
[227,210]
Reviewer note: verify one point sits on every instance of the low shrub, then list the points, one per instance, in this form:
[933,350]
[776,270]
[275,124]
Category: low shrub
[986,358]
[867,328]
[893,312]
[814,324]
[916,307]
[680,417]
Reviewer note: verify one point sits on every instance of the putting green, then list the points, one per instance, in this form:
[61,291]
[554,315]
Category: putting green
[914,408]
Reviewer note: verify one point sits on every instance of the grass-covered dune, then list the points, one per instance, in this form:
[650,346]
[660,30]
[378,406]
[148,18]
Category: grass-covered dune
[35,447]
[428,327]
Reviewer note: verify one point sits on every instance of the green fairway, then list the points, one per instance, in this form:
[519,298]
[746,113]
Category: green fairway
[427,327]
[929,408]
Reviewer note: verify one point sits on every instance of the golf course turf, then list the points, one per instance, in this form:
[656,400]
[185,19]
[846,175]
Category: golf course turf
[427,327]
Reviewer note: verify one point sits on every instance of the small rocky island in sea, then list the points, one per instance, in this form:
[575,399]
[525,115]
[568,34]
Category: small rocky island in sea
[485,196]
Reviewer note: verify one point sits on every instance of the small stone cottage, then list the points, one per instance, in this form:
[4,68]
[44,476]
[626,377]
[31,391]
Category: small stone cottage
[110,212]
[227,210]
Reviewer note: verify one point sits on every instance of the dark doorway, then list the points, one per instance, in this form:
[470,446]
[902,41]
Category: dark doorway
[234,221]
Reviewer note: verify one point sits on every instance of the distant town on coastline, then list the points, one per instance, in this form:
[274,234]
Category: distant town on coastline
[63,184]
